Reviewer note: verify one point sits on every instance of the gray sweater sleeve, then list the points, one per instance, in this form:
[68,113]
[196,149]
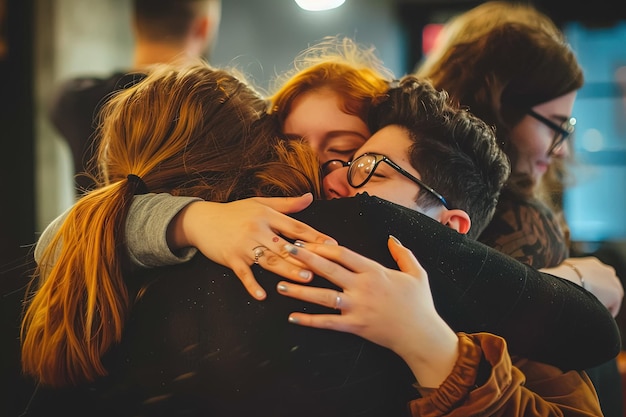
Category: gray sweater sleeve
[46,237]
[146,231]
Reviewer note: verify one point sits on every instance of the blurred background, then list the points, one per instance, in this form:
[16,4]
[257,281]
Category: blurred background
[43,42]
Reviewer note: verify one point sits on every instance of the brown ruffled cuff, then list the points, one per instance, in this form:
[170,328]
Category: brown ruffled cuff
[456,386]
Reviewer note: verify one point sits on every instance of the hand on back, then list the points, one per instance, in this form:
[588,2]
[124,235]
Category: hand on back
[392,308]
[229,233]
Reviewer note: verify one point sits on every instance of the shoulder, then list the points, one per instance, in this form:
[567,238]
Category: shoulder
[527,230]
[370,212]
[76,101]
[524,214]
[363,223]
[85,84]
[89,90]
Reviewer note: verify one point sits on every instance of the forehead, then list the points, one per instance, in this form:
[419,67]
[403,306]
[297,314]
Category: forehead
[393,141]
[560,106]
[321,109]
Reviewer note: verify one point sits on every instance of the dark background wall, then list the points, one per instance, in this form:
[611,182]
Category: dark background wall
[17,204]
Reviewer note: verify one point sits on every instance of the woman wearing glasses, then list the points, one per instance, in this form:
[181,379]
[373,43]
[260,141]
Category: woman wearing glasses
[523,81]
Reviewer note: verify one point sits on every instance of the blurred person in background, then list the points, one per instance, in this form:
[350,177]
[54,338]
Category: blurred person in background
[164,30]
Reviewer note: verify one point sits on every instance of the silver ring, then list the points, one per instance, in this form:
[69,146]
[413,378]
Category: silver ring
[338,301]
[258,252]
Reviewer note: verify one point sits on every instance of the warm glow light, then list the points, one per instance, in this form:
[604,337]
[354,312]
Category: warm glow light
[318,5]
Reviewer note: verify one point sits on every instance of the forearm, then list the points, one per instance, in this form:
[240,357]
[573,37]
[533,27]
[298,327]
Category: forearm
[47,235]
[147,226]
[565,271]
[594,276]
[146,230]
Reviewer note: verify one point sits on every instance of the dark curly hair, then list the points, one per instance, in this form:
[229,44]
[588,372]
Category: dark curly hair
[455,152]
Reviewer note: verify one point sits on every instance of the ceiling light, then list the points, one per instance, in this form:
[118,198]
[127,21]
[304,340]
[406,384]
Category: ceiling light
[319,5]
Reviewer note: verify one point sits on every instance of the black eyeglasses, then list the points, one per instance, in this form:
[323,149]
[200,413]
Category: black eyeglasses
[561,132]
[362,168]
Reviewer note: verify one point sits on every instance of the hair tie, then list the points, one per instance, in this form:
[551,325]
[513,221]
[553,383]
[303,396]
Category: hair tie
[139,186]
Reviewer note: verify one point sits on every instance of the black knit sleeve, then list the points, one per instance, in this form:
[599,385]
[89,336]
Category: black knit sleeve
[476,288]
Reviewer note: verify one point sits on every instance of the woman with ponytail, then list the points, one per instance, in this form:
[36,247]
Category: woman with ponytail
[154,137]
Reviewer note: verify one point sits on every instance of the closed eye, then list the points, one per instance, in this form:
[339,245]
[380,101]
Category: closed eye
[343,152]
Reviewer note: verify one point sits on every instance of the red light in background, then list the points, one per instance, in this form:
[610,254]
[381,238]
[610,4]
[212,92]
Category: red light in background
[429,36]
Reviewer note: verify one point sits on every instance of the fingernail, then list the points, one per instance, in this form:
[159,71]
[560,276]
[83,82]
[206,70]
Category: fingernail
[395,239]
[299,243]
[305,274]
[260,294]
[281,287]
[293,320]
[329,242]
[291,248]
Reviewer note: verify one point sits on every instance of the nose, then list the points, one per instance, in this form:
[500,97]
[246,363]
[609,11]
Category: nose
[336,184]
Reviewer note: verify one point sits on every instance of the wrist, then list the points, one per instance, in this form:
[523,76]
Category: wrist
[180,229]
[433,358]
[579,274]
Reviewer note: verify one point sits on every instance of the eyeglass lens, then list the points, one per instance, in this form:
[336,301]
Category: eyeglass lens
[362,169]
[560,136]
[561,132]
[333,165]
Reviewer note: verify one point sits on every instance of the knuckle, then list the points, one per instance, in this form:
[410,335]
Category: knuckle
[327,322]
[241,272]
[330,299]
[328,270]
[271,258]
[282,252]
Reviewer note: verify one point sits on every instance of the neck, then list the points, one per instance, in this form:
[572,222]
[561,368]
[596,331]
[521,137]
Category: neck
[149,53]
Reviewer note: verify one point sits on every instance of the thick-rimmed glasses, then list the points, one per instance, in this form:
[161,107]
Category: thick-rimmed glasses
[561,132]
[362,168]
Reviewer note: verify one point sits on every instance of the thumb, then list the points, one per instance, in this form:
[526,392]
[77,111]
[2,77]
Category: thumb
[404,258]
[287,204]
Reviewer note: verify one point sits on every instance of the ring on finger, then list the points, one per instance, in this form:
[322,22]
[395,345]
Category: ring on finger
[338,301]
[259,251]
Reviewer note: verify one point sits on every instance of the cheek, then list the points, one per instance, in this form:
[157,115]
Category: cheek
[529,140]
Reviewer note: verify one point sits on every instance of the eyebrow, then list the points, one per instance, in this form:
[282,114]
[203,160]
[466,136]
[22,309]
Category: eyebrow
[335,133]
[561,118]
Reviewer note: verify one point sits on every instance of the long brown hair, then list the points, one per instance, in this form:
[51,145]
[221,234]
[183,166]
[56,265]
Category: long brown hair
[501,59]
[189,130]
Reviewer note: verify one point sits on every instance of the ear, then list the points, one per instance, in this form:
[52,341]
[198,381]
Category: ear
[456,219]
[201,28]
